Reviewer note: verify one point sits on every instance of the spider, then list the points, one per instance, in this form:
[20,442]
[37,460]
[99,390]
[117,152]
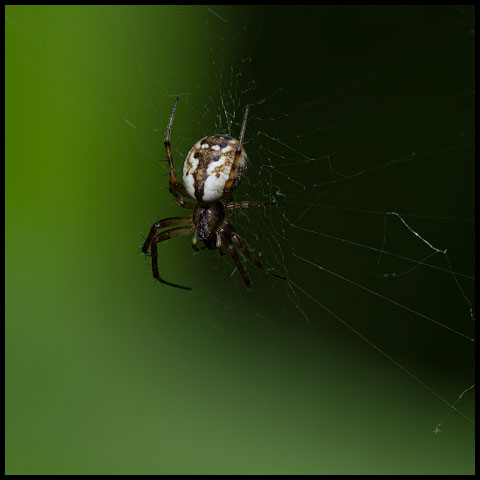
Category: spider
[213,169]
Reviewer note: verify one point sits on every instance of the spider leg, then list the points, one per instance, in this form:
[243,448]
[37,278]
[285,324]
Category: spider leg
[194,243]
[228,184]
[176,188]
[237,241]
[162,237]
[166,222]
[233,253]
[232,205]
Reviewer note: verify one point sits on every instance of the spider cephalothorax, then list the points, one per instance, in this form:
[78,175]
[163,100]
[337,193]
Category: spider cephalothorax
[213,169]
[207,218]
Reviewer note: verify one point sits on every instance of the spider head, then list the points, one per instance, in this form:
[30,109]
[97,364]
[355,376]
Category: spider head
[207,217]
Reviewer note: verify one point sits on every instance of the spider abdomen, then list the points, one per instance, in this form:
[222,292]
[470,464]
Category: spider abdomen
[207,167]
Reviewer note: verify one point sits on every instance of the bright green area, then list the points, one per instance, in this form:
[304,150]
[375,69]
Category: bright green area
[106,371]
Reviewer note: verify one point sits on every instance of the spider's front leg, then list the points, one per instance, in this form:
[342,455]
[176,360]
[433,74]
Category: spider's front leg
[237,241]
[224,238]
[231,240]
[162,237]
[233,253]
[166,222]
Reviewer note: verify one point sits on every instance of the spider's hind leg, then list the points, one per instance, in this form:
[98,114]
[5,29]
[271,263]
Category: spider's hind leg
[227,189]
[175,188]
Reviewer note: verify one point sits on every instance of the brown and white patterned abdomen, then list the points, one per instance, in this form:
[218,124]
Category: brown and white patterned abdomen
[207,167]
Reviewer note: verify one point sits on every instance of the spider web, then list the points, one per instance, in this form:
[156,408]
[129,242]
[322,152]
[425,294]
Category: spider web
[360,230]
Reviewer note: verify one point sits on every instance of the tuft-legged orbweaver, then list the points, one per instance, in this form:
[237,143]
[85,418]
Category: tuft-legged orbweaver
[213,169]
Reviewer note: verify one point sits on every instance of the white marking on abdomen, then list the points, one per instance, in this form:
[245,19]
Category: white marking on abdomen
[190,167]
[213,187]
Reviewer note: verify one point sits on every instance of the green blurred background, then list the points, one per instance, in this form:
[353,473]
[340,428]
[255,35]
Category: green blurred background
[108,372]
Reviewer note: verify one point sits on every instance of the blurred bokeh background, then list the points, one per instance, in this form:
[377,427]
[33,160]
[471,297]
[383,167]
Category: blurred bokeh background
[356,111]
